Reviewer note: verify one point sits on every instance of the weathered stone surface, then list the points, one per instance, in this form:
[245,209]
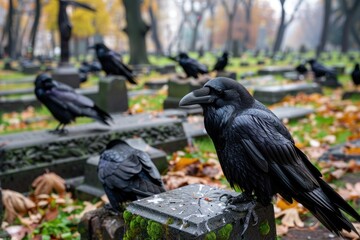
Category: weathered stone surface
[295,76]
[247,74]
[93,187]
[101,224]
[112,96]
[275,70]
[291,112]
[273,94]
[226,74]
[170,68]
[68,75]
[194,212]
[338,152]
[31,69]
[259,81]
[24,156]
[156,84]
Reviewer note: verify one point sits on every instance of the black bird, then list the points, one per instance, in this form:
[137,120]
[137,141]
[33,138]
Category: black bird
[111,62]
[191,67]
[356,75]
[127,174]
[258,154]
[221,62]
[320,70]
[301,68]
[87,68]
[65,104]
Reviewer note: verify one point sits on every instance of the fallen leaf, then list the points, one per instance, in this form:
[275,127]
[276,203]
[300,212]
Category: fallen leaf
[281,230]
[352,234]
[291,218]
[338,173]
[89,207]
[48,182]
[15,204]
[183,162]
[17,232]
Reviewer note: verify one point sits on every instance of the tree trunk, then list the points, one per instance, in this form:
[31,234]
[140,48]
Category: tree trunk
[53,43]
[325,27]
[212,27]
[136,30]
[154,31]
[248,8]
[9,50]
[229,41]
[355,34]
[35,27]
[195,33]
[350,12]
[281,30]
[17,33]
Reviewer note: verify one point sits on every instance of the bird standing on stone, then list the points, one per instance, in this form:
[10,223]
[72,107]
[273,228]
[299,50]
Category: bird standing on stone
[320,70]
[258,154]
[301,69]
[355,75]
[127,174]
[111,62]
[191,67]
[65,104]
[221,62]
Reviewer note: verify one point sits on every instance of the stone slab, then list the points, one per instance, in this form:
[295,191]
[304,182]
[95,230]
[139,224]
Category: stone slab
[351,95]
[291,112]
[31,69]
[195,212]
[274,94]
[19,80]
[156,84]
[338,152]
[226,74]
[93,187]
[112,96]
[254,82]
[272,70]
[22,154]
[68,75]
[166,69]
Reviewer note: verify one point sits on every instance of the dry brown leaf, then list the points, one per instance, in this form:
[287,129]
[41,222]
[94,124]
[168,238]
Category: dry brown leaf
[339,164]
[48,182]
[352,235]
[17,232]
[89,207]
[15,204]
[291,218]
[281,230]
[338,173]
[183,162]
[352,150]
[283,204]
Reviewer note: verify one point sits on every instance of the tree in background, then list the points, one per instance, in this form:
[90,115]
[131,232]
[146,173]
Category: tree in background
[325,26]
[136,30]
[349,9]
[248,4]
[230,9]
[35,27]
[152,10]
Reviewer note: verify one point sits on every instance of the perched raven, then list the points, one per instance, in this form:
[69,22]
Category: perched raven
[127,174]
[191,67]
[356,75]
[111,62]
[301,68]
[65,104]
[87,68]
[258,154]
[221,62]
[320,70]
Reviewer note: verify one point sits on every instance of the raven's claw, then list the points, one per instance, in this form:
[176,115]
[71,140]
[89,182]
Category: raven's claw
[110,209]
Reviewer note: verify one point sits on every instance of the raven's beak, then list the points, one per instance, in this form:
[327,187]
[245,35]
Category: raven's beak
[199,96]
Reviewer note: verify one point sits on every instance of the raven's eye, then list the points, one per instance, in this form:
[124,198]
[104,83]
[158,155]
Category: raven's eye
[219,92]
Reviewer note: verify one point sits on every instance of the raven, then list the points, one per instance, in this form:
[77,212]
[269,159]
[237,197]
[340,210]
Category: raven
[191,67]
[356,75]
[221,62]
[64,103]
[111,62]
[320,70]
[127,174]
[258,154]
[301,68]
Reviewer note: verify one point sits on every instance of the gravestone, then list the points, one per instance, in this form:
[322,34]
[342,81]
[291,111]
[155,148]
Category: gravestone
[30,68]
[339,152]
[247,74]
[112,96]
[67,74]
[24,156]
[274,94]
[166,69]
[272,70]
[226,74]
[194,212]
[92,187]
[259,81]
[291,112]
[339,69]
[178,88]
[330,80]
[351,95]
[156,84]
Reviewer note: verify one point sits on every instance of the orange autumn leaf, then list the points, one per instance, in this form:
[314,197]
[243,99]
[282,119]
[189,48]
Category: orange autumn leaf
[283,204]
[184,162]
[48,182]
[352,150]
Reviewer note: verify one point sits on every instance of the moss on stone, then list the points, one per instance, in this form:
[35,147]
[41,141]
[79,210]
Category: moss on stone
[127,216]
[210,236]
[225,232]
[169,221]
[154,230]
[264,228]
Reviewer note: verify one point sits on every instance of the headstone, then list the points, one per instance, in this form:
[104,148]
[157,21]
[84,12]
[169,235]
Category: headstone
[291,112]
[67,74]
[170,68]
[343,152]
[31,68]
[226,74]
[244,64]
[259,81]
[247,74]
[92,187]
[194,212]
[156,84]
[112,96]
[26,155]
[294,76]
[351,95]
[330,80]
[8,65]
[275,70]
[339,69]
[274,94]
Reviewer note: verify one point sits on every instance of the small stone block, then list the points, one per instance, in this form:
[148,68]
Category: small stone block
[274,94]
[31,69]
[170,68]
[291,112]
[68,75]
[295,76]
[338,152]
[156,84]
[231,75]
[113,97]
[275,70]
[195,212]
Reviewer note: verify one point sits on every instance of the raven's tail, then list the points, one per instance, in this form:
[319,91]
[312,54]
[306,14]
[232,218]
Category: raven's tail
[325,204]
[102,116]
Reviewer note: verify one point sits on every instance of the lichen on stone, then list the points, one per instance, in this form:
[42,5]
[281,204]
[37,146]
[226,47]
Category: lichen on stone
[225,232]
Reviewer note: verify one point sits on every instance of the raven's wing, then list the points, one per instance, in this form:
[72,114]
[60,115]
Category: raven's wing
[189,68]
[124,70]
[149,167]
[201,68]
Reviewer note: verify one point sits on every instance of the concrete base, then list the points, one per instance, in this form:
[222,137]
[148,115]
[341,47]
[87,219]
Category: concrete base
[68,75]
[112,96]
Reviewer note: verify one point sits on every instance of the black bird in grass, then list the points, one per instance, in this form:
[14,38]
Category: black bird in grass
[191,67]
[258,154]
[127,174]
[355,75]
[320,70]
[301,68]
[65,104]
[221,62]
[111,62]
